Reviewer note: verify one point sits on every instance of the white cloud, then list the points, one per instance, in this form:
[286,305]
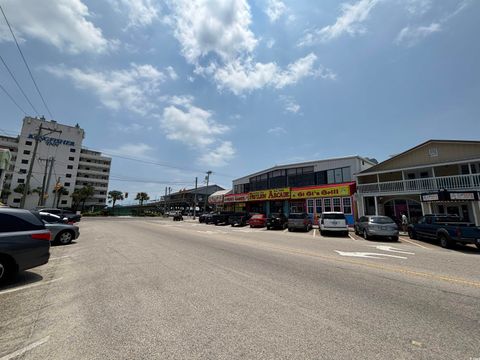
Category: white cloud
[61,23]
[189,124]
[418,7]
[139,150]
[171,72]
[215,37]
[275,9]
[350,22]
[219,156]
[243,76]
[131,89]
[290,104]
[277,131]
[140,12]
[220,27]
[412,35]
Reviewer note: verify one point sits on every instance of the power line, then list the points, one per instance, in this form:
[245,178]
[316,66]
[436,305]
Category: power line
[26,64]
[18,85]
[13,100]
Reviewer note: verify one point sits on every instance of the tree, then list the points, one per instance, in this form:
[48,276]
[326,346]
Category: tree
[81,196]
[76,198]
[20,189]
[115,196]
[141,197]
[58,194]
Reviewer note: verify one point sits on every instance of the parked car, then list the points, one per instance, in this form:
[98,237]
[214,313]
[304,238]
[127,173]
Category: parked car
[333,221]
[62,232]
[299,221]
[220,218]
[447,229]
[70,215]
[277,221]
[177,216]
[376,226]
[239,219]
[24,242]
[257,220]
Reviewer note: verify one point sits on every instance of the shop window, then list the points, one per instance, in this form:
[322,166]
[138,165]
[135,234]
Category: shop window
[310,206]
[71,158]
[24,161]
[331,176]
[318,205]
[337,204]
[327,204]
[338,176]
[29,143]
[347,205]
[69,167]
[321,178]
[26,152]
[346,174]
[21,181]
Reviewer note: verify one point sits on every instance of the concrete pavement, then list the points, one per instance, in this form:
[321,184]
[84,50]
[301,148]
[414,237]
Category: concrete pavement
[154,289]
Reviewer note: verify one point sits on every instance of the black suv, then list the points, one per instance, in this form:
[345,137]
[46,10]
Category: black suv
[277,221]
[239,219]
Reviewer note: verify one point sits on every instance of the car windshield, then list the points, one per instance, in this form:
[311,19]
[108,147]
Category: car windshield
[381,220]
[296,216]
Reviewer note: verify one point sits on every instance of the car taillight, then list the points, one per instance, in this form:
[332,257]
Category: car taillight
[42,236]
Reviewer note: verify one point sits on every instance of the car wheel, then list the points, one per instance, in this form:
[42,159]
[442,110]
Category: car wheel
[356,231]
[412,234]
[290,229]
[64,238]
[322,232]
[365,234]
[394,238]
[445,242]
[268,227]
[7,270]
[251,226]
[477,245]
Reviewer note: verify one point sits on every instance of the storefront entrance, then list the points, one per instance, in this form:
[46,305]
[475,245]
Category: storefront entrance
[395,208]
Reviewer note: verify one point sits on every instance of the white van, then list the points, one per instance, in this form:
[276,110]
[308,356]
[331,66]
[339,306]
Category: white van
[333,221]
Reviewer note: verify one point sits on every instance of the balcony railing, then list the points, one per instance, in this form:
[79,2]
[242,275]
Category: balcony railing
[457,182]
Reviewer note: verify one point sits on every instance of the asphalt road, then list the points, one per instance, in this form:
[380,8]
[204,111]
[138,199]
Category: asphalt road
[154,289]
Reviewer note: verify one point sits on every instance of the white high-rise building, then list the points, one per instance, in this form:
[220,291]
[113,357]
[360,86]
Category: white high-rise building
[60,159]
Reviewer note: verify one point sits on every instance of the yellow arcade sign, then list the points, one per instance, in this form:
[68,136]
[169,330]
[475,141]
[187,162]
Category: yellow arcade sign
[272,194]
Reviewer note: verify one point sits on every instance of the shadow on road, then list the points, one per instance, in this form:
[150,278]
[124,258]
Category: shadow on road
[22,279]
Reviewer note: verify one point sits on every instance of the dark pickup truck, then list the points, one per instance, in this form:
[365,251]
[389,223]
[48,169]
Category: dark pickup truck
[239,219]
[220,218]
[447,229]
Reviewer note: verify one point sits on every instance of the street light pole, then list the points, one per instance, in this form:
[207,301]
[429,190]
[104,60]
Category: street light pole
[209,172]
[195,199]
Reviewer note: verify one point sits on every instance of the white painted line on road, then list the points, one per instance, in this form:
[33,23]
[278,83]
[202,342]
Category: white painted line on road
[392,249]
[314,232]
[8,291]
[414,243]
[25,349]
[351,237]
[59,257]
[285,230]
[367,255]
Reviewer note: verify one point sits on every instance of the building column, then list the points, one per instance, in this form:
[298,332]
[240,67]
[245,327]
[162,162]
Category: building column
[360,202]
[286,207]
[476,212]
[267,208]
[376,205]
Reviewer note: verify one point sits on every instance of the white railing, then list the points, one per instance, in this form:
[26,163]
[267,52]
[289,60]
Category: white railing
[457,182]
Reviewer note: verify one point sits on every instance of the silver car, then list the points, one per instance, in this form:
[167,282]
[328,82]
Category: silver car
[62,233]
[380,226]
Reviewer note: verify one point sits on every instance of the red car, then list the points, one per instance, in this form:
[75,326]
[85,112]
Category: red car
[258,220]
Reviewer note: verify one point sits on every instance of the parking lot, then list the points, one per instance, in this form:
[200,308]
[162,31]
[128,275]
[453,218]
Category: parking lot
[152,288]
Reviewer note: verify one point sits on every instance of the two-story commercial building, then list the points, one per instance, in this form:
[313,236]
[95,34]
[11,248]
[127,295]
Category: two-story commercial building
[313,187]
[437,176]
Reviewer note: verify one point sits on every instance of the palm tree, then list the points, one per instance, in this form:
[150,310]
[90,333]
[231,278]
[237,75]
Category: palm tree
[114,196]
[20,189]
[141,197]
[87,192]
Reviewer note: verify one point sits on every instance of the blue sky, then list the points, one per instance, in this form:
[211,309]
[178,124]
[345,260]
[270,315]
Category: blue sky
[237,86]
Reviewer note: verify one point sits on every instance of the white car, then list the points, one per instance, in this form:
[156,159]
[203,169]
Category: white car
[333,221]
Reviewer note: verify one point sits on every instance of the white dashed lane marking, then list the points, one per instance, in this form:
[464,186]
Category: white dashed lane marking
[25,349]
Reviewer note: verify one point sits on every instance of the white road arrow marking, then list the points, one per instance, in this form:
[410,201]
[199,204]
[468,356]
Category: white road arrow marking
[392,249]
[367,255]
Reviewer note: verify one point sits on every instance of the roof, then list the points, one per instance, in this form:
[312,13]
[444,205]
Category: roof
[376,167]
[305,163]
[221,192]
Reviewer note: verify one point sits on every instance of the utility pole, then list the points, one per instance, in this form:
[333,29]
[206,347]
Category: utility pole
[209,172]
[169,202]
[195,199]
[42,194]
[30,168]
[32,161]
[56,191]
[165,202]
[47,185]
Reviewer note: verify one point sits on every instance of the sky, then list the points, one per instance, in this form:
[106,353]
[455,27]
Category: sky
[236,86]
